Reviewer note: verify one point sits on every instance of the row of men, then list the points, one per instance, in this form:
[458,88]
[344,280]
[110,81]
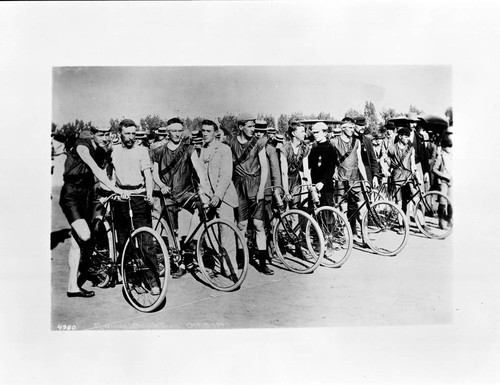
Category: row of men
[231,176]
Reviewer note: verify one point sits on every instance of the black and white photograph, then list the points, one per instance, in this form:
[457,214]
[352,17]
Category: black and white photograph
[250,197]
[254,192]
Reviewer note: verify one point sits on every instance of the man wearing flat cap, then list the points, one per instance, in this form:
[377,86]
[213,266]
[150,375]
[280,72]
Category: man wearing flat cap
[250,171]
[85,160]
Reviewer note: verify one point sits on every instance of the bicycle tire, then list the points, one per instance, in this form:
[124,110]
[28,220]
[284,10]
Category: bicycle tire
[104,251]
[139,272]
[427,215]
[217,256]
[337,235]
[301,233]
[385,228]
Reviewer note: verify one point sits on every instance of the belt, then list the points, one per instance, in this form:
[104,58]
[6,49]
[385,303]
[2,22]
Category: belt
[136,187]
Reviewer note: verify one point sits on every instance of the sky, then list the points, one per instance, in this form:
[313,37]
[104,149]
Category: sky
[98,94]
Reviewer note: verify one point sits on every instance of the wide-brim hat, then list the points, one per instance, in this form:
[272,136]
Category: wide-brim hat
[272,130]
[141,134]
[412,117]
[161,131]
[261,126]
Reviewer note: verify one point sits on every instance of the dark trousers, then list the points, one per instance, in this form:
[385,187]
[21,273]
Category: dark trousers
[141,217]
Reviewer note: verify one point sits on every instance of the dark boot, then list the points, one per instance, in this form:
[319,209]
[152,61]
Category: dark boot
[264,269]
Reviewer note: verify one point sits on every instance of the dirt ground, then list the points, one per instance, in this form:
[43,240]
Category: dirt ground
[412,288]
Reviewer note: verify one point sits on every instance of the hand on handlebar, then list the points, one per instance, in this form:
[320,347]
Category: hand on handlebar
[215,201]
[287,198]
[149,198]
[165,190]
[319,186]
[375,182]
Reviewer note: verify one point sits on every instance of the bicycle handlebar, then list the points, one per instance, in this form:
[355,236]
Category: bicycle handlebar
[116,196]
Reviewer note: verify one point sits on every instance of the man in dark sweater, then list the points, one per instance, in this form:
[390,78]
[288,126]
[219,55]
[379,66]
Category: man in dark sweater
[322,162]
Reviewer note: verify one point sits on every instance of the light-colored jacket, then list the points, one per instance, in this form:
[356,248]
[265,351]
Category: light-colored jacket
[218,162]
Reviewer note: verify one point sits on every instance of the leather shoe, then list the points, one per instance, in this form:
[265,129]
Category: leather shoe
[82,293]
[266,270]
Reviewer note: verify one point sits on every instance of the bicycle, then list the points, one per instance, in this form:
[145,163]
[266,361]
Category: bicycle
[139,273]
[297,239]
[432,221]
[334,227]
[216,247]
[384,226]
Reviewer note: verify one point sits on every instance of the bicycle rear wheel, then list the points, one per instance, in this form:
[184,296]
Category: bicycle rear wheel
[298,241]
[222,266]
[385,228]
[434,215]
[337,234]
[104,252]
[144,285]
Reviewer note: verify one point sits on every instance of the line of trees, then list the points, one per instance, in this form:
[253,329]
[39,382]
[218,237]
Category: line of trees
[70,131]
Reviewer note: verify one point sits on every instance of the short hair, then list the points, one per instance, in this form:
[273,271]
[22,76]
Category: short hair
[293,126]
[174,120]
[127,123]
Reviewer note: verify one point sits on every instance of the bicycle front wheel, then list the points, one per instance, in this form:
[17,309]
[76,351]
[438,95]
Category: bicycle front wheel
[144,283]
[385,228]
[222,255]
[434,215]
[298,241]
[337,234]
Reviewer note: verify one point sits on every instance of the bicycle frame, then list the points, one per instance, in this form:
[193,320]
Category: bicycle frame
[412,178]
[202,212]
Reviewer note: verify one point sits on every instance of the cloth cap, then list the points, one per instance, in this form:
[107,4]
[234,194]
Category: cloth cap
[213,120]
[360,120]
[102,128]
[319,126]
[244,117]
[348,120]
[127,123]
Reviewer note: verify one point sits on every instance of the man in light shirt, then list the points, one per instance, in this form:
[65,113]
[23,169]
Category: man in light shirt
[132,172]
